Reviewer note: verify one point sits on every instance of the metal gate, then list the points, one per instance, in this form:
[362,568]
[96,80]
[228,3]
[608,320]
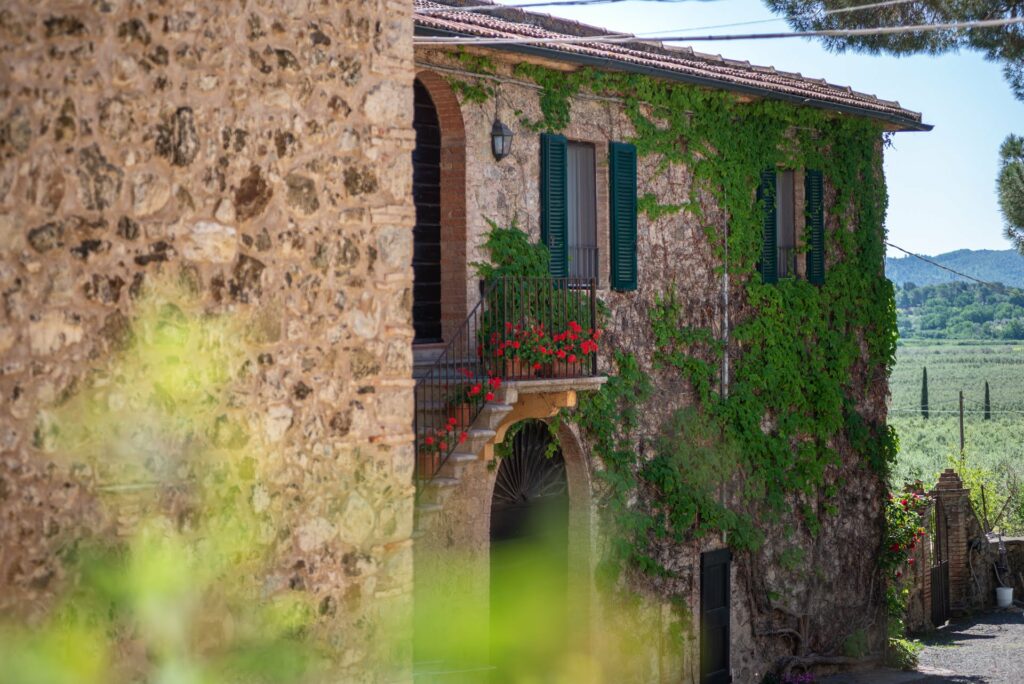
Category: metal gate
[940,567]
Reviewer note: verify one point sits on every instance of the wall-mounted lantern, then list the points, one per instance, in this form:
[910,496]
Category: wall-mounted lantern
[501,139]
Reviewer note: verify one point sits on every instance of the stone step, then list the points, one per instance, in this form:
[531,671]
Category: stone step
[456,463]
[435,491]
[477,438]
[492,415]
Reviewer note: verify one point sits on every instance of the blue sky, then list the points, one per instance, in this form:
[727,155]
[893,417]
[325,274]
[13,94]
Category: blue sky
[942,183]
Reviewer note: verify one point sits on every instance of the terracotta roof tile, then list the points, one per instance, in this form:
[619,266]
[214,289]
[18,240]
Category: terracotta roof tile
[672,62]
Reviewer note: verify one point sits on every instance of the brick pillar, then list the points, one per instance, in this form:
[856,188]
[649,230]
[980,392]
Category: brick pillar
[954,500]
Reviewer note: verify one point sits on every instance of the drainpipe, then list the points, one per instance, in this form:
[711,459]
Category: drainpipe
[725,317]
[725,350]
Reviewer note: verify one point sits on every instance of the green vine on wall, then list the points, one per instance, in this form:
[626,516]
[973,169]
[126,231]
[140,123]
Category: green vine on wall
[678,346]
[480,91]
[809,355]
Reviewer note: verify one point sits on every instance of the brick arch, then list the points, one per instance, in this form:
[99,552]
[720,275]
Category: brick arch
[454,270]
[581,523]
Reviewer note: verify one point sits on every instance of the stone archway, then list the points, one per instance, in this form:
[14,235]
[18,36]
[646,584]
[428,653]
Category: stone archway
[439,243]
[581,535]
[539,549]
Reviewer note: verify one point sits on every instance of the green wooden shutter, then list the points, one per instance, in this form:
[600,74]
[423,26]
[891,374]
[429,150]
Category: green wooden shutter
[554,208]
[622,197]
[814,195]
[769,252]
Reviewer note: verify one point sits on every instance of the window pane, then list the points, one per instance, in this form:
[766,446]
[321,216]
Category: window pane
[582,201]
[785,235]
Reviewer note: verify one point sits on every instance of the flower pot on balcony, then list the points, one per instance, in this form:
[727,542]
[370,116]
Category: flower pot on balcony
[546,370]
[514,369]
[463,413]
[561,368]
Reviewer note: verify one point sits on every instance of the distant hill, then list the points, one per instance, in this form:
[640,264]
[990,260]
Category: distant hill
[999,266]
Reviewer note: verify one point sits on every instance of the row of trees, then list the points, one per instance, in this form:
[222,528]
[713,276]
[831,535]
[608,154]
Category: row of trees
[987,404]
[960,311]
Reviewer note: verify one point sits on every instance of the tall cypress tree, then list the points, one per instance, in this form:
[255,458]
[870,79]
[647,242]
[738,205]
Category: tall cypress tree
[924,393]
[988,404]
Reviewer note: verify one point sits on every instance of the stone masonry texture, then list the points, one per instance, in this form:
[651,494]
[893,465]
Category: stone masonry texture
[259,153]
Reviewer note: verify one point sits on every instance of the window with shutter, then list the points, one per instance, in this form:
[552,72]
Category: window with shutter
[769,256]
[622,198]
[554,209]
[814,195]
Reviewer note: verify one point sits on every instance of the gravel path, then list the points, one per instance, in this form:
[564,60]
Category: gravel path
[987,648]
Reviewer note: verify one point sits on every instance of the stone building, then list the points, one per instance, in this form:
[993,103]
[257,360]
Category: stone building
[580,112]
[260,158]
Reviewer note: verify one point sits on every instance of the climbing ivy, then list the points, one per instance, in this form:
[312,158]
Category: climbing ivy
[809,354]
[676,345]
[477,92]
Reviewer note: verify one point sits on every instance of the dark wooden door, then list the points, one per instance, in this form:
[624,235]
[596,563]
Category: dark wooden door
[714,616]
[426,192]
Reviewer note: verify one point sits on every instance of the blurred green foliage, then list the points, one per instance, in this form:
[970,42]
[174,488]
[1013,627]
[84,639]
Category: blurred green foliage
[177,600]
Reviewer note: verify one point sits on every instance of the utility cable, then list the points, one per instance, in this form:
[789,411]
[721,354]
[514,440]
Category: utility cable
[549,3]
[825,13]
[994,412]
[622,38]
[946,268]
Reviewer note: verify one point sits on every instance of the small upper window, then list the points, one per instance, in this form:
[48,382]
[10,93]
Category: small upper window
[792,202]
[785,224]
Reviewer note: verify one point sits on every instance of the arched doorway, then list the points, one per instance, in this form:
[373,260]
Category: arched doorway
[440,273]
[529,557]
[426,192]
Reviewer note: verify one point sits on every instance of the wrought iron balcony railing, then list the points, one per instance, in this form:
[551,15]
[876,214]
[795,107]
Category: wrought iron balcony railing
[521,329]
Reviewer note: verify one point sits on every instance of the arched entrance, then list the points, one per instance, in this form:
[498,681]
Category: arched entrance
[439,187]
[529,557]
[426,192]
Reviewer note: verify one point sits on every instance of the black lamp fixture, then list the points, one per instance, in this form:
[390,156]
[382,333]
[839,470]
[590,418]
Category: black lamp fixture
[501,139]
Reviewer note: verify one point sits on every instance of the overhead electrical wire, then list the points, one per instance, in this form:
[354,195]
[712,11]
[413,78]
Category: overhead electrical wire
[917,409]
[840,10]
[951,270]
[622,38]
[550,3]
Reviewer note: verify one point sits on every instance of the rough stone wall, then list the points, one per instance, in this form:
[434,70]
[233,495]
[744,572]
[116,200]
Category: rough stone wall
[777,610]
[1015,560]
[237,149]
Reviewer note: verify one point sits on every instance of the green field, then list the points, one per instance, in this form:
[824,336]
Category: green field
[994,448]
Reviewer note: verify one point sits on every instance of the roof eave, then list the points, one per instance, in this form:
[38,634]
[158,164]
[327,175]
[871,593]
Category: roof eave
[893,121]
